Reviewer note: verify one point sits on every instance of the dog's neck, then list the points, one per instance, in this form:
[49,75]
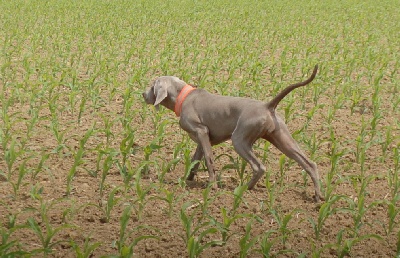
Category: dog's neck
[181,98]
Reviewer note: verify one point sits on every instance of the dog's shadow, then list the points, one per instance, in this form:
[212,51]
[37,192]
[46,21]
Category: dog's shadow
[194,184]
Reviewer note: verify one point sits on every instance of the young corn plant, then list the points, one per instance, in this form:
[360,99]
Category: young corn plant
[44,157]
[360,141]
[393,210]
[357,206]
[112,201]
[106,208]
[335,156]
[325,211]
[289,111]
[107,164]
[266,244]
[22,171]
[263,149]
[169,199]
[194,236]
[386,143]
[344,246]
[169,165]
[11,154]
[141,194]
[318,252]
[107,130]
[310,114]
[148,151]
[86,251]
[125,248]
[393,176]
[195,244]
[30,124]
[78,155]
[224,227]
[189,165]
[283,222]
[247,242]
[238,164]
[166,166]
[127,147]
[46,236]
[272,190]
[8,247]
[127,173]
[206,201]
[238,198]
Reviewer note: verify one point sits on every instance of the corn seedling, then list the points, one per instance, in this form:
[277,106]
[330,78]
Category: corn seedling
[78,155]
[127,147]
[169,199]
[36,192]
[189,165]
[344,246]
[392,211]
[10,157]
[148,150]
[335,156]
[141,194]
[266,243]
[166,167]
[357,206]
[111,202]
[107,164]
[126,249]
[40,166]
[238,164]
[386,143]
[325,211]
[272,190]
[393,175]
[238,198]
[247,242]
[46,236]
[86,251]
[22,171]
[10,248]
[283,222]
[194,235]
[224,226]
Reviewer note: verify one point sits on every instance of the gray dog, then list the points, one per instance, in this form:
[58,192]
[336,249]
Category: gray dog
[210,119]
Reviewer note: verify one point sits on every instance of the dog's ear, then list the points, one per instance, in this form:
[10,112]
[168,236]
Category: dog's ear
[160,91]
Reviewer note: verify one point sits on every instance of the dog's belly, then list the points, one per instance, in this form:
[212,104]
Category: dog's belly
[217,139]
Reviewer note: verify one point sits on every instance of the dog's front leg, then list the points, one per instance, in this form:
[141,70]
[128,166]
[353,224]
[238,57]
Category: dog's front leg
[204,141]
[198,155]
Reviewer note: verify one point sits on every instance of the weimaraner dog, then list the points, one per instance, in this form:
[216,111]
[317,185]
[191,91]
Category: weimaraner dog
[210,119]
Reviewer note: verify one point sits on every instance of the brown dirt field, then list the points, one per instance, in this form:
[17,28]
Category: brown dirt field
[82,209]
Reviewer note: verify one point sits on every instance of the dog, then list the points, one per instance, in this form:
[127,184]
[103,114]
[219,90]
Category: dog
[210,119]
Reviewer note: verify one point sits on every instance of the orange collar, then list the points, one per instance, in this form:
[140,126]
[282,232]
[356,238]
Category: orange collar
[181,97]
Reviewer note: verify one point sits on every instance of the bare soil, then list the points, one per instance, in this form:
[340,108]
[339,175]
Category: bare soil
[82,209]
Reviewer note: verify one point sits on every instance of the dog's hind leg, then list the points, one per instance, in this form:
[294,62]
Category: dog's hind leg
[242,141]
[283,140]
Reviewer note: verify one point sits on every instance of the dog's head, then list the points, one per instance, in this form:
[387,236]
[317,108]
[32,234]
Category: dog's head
[161,88]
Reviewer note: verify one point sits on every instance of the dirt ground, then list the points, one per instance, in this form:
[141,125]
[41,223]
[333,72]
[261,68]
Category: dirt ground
[82,209]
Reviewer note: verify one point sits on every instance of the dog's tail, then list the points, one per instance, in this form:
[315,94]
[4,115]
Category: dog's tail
[275,101]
